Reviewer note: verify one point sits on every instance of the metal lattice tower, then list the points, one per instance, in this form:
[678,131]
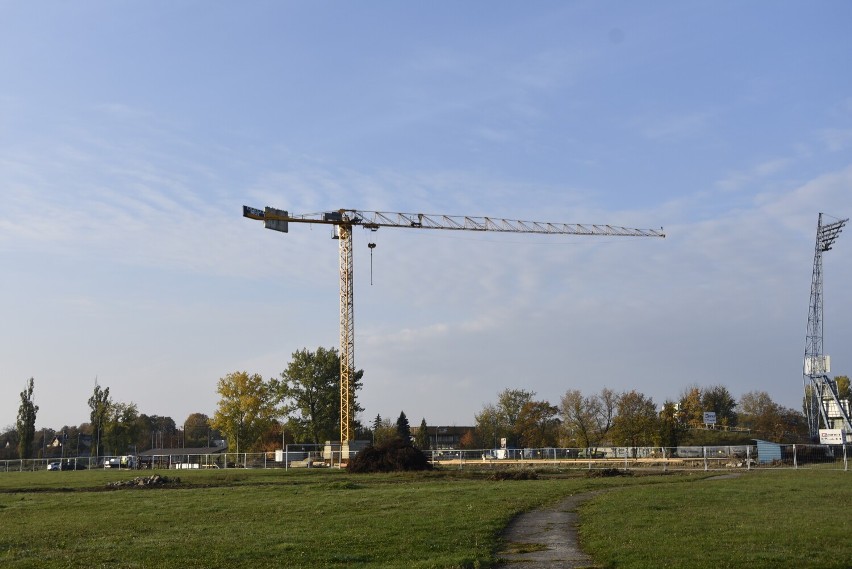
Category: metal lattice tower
[820,390]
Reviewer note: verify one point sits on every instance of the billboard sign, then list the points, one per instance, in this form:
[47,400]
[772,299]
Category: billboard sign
[709,418]
[831,436]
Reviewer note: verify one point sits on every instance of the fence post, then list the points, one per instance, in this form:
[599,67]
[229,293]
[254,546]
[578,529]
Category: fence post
[748,457]
[705,458]
[589,454]
[795,462]
[845,463]
[665,460]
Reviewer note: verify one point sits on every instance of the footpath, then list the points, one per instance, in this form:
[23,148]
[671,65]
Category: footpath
[546,539]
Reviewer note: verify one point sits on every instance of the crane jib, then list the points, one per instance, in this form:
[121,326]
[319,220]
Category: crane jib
[346,219]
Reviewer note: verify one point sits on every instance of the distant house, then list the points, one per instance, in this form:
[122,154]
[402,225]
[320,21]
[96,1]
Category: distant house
[443,438]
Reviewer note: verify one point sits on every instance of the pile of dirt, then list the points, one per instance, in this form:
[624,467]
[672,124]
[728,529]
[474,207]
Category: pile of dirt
[514,475]
[607,472]
[393,456]
[153,481]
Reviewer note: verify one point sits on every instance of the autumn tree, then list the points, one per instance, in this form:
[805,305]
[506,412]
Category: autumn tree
[636,422]
[690,408]
[762,415]
[468,441]
[537,424]
[421,439]
[247,407]
[25,424]
[586,420]
[310,387]
[504,415]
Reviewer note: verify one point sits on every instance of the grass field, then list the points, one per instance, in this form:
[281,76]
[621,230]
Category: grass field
[766,519]
[269,518]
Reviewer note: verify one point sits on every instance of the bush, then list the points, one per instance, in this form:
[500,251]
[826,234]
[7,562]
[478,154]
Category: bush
[394,455]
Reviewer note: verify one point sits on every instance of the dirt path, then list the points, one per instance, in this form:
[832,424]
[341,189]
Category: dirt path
[546,539]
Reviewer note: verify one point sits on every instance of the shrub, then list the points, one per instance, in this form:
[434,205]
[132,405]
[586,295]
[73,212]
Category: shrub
[394,455]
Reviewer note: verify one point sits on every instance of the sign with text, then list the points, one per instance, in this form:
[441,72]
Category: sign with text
[709,417]
[831,436]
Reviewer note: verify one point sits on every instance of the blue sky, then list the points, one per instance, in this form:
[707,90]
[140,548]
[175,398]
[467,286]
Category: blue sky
[131,134]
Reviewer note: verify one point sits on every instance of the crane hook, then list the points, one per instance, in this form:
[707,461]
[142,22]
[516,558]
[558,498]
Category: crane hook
[371,246]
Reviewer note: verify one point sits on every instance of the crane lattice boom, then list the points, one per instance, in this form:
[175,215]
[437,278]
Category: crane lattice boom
[346,219]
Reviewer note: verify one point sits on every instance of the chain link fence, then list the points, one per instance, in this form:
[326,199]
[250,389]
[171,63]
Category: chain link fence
[719,458]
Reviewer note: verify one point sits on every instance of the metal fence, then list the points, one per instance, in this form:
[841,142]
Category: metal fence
[717,458]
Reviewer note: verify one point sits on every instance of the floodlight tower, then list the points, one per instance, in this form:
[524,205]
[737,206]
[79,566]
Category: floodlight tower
[821,397]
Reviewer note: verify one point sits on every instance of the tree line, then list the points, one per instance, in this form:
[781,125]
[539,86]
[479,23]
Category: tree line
[302,405]
[632,419]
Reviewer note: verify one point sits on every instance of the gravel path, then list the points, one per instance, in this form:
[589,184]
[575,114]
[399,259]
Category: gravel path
[546,539]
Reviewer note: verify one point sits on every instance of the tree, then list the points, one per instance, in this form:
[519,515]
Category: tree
[691,410]
[671,429]
[384,432]
[488,426]
[9,443]
[468,441]
[537,424]
[246,409]
[843,389]
[99,403]
[510,402]
[120,429]
[311,386]
[586,420]
[760,413]
[636,423]
[25,425]
[196,430]
[421,439]
[720,401]
[403,429]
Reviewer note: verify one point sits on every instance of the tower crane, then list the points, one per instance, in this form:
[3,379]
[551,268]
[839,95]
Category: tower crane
[822,400]
[345,220]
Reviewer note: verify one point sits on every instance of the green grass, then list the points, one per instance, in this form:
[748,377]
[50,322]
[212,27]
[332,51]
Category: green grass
[241,518]
[313,519]
[761,519]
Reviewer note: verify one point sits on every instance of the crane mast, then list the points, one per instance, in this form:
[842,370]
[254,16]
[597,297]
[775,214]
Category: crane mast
[344,220]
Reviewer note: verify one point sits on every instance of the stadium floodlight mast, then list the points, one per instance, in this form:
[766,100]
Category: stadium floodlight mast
[822,400]
[344,220]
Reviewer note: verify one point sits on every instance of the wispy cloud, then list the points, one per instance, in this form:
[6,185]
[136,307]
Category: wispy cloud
[836,139]
[738,180]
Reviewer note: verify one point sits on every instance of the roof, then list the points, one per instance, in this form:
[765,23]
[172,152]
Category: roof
[184,451]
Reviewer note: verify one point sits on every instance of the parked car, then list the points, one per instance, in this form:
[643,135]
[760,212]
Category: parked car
[72,465]
[54,465]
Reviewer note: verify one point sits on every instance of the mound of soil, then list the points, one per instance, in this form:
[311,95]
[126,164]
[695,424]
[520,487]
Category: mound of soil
[392,456]
[155,481]
[514,475]
[608,472]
